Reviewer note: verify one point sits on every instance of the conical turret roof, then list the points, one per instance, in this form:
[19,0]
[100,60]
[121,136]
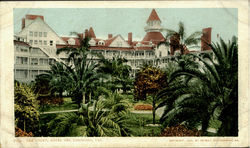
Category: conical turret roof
[153,16]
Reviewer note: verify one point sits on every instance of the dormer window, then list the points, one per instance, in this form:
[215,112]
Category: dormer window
[101,42]
[138,44]
[71,41]
[92,42]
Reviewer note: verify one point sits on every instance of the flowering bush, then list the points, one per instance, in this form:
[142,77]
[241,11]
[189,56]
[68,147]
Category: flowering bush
[20,133]
[143,107]
[180,131]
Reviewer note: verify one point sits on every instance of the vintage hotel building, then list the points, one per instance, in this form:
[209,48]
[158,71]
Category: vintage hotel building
[36,45]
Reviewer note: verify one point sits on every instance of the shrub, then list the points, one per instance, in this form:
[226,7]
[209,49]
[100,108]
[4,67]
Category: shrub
[26,108]
[51,100]
[180,131]
[143,107]
[20,133]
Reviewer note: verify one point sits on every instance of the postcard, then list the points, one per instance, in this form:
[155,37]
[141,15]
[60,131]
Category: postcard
[124,74]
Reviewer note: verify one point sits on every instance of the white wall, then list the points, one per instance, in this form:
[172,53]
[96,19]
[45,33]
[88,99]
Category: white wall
[39,26]
[119,42]
[162,51]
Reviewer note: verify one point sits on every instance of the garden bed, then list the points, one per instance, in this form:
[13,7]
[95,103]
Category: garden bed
[143,107]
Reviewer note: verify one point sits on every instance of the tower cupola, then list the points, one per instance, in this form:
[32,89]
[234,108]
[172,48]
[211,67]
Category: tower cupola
[153,23]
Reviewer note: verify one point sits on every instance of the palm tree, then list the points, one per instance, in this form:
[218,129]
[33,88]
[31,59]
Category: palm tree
[116,102]
[101,122]
[52,81]
[214,85]
[177,40]
[118,72]
[96,122]
[82,75]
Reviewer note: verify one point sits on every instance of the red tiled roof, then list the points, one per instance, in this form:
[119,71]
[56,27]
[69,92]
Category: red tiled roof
[21,43]
[33,17]
[109,41]
[91,33]
[155,37]
[58,46]
[110,48]
[153,16]
[97,40]
[144,48]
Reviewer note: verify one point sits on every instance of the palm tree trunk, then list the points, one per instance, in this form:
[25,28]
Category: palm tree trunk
[153,109]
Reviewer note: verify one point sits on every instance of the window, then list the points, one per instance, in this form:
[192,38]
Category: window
[40,34]
[45,34]
[101,42]
[44,42]
[33,73]
[51,43]
[21,60]
[24,50]
[35,34]
[40,42]
[51,61]
[43,61]
[31,42]
[35,42]
[31,33]
[21,73]
[34,61]
[17,48]
[35,50]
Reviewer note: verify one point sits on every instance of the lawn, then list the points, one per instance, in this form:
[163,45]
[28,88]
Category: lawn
[136,123]
[67,105]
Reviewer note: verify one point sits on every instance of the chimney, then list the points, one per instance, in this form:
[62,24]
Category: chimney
[130,38]
[110,36]
[23,23]
[206,39]
[86,33]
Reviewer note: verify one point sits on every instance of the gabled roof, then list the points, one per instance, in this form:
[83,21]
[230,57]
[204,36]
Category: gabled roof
[154,37]
[109,41]
[91,33]
[153,16]
[38,18]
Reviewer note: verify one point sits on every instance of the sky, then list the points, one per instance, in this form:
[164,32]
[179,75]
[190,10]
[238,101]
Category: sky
[224,21]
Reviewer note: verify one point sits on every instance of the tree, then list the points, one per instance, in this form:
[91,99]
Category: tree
[97,122]
[211,92]
[53,81]
[115,102]
[177,40]
[102,123]
[26,108]
[149,80]
[119,73]
[81,72]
